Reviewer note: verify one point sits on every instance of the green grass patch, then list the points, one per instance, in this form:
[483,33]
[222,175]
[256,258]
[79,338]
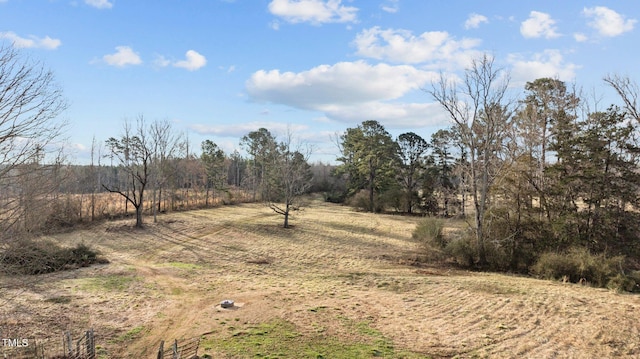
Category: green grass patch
[280,339]
[130,335]
[110,283]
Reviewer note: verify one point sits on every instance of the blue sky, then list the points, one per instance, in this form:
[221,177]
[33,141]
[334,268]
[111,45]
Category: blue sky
[218,69]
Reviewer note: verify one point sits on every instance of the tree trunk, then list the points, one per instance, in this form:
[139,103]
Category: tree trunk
[153,205]
[286,217]
[139,216]
[410,194]
[372,177]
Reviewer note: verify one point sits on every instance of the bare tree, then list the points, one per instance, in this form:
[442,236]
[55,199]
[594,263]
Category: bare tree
[288,177]
[30,102]
[134,152]
[628,91]
[480,115]
[166,147]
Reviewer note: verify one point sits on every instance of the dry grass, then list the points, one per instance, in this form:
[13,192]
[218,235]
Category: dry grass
[337,277]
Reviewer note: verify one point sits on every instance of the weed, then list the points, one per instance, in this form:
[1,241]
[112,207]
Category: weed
[130,335]
[111,283]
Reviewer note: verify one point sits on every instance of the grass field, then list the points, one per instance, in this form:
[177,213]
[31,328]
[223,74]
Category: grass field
[339,284]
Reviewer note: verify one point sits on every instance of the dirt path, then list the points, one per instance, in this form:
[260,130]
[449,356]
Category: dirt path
[333,269]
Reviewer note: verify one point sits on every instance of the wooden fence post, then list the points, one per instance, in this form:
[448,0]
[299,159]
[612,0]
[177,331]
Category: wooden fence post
[68,344]
[161,350]
[175,349]
[90,345]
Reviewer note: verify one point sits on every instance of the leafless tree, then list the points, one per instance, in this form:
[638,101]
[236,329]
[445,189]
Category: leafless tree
[628,91]
[134,152]
[480,113]
[30,131]
[166,147]
[288,177]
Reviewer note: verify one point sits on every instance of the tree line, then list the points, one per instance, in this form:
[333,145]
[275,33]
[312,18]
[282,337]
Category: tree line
[543,171]
[533,171]
[150,169]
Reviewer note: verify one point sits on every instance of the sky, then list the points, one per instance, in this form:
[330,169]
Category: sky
[218,69]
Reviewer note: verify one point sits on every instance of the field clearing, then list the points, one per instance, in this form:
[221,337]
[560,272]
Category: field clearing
[339,284]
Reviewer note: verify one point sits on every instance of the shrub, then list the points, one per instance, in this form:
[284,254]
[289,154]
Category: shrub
[497,257]
[334,196]
[360,201]
[555,266]
[429,233]
[621,283]
[625,283]
[578,265]
[462,249]
[64,213]
[393,198]
[31,256]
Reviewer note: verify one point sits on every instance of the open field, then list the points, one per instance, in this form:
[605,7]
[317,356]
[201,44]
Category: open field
[340,284]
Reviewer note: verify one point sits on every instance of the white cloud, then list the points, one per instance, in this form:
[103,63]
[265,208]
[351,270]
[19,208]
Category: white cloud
[580,37]
[474,21]
[608,22]
[313,11]
[124,56]
[193,61]
[539,24]
[99,4]
[342,83]
[32,42]
[391,6]
[401,46]
[348,91]
[549,63]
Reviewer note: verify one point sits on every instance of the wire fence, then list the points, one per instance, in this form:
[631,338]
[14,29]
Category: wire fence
[186,349]
[68,348]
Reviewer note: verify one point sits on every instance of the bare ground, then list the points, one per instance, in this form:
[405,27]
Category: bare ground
[335,266]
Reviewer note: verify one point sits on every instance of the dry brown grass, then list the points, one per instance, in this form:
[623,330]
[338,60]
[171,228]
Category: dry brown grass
[334,266]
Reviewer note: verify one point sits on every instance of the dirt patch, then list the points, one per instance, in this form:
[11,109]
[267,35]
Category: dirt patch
[339,279]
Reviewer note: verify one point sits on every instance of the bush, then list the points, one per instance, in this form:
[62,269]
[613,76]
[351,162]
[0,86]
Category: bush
[579,265]
[622,283]
[393,198]
[31,256]
[462,249]
[497,257]
[429,233]
[360,201]
[625,283]
[334,197]
[64,213]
